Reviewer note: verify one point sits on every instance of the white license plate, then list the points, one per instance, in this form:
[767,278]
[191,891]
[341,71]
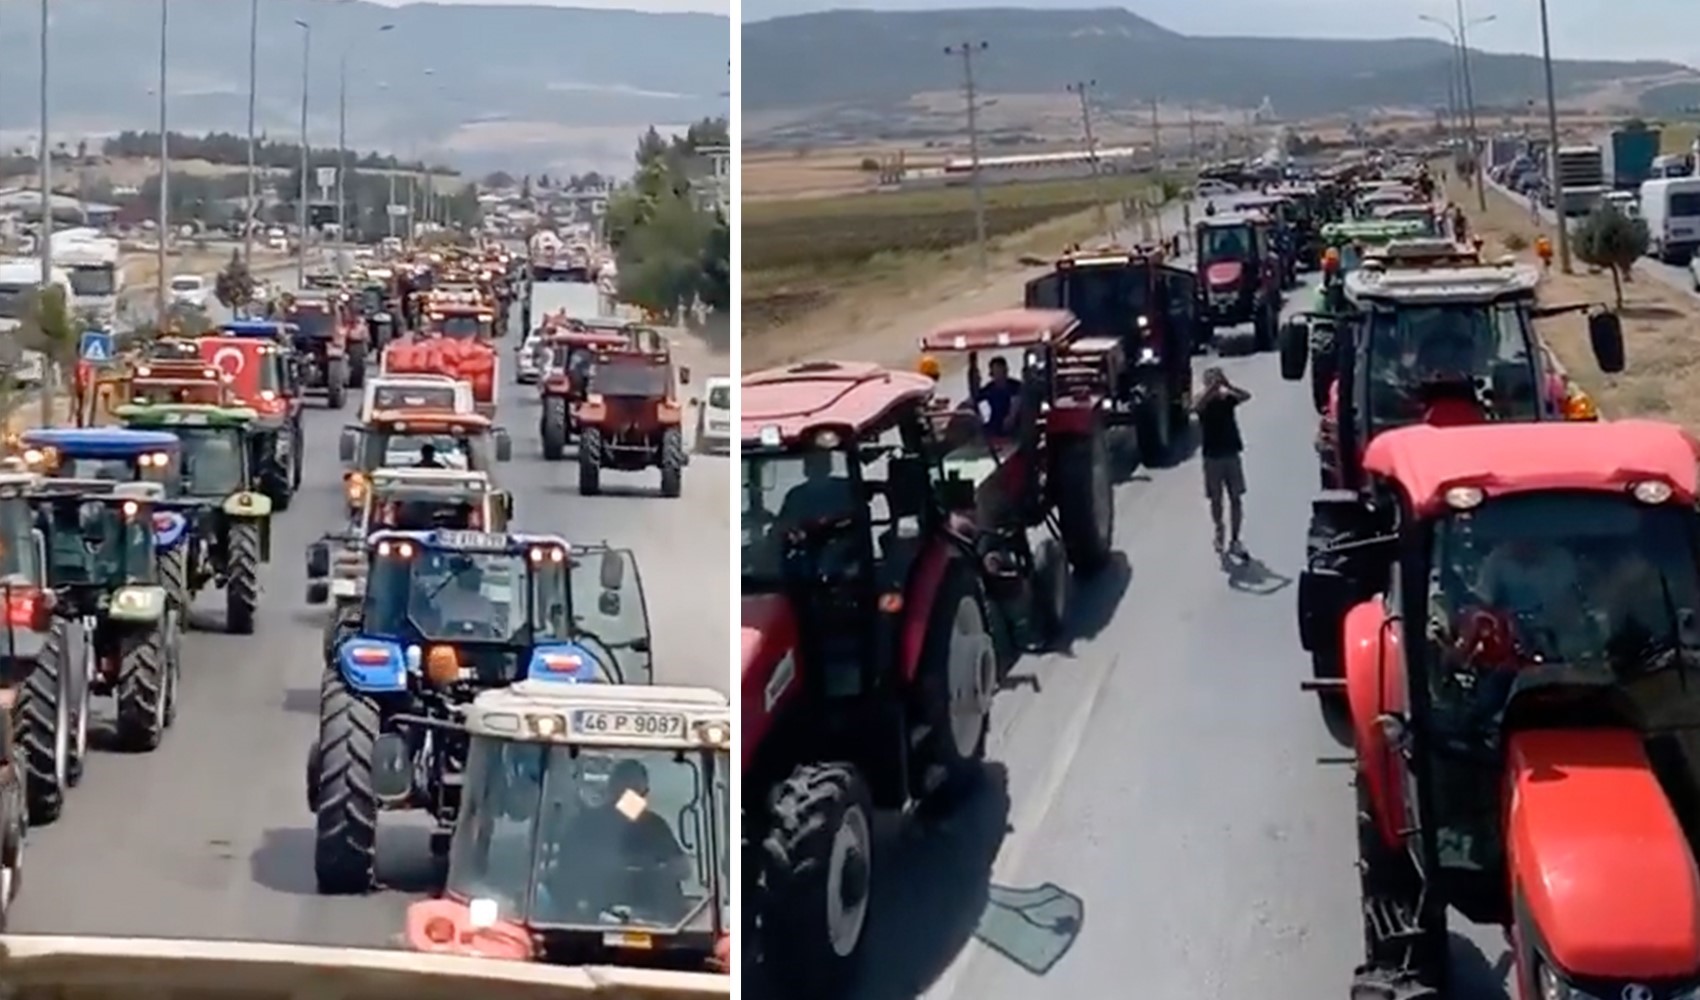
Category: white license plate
[595,722]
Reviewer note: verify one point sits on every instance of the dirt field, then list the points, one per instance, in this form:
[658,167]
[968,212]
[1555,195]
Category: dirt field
[1662,379]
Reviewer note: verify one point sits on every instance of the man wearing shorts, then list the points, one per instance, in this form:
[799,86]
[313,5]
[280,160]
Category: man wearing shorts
[1220,445]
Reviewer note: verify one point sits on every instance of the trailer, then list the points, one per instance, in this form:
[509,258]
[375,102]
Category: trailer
[1581,178]
[1629,156]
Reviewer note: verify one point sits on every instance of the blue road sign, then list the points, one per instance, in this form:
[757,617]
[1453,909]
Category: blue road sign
[96,346]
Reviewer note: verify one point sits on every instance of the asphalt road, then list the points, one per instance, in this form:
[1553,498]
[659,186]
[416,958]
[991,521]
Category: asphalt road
[1154,821]
[210,835]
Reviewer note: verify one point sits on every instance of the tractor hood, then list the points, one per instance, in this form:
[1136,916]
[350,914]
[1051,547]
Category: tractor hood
[1223,273]
[767,641]
[39,967]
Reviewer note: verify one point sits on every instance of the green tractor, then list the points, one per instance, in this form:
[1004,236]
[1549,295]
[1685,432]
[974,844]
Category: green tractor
[227,535]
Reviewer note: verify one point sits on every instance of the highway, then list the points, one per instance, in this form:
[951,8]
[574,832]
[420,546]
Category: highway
[210,836]
[1154,822]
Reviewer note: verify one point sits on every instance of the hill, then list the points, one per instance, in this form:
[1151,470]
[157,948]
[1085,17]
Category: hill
[883,58]
[516,87]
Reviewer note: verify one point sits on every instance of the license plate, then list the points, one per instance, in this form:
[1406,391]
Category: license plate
[628,939]
[595,722]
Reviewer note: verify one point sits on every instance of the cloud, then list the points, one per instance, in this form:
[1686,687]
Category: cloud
[648,6]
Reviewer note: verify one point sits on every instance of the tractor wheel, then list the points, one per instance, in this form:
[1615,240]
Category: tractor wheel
[143,695]
[672,462]
[297,458]
[282,494]
[554,427]
[345,844]
[174,575]
[336,383]
[1322,364]
[79,680]
[242,587]
[958,676]
[45,728]
[590,461]
[342,625]
[1154,433]
[1050,592]
[816,869]
[1086,509]
[357,366]
[13,832]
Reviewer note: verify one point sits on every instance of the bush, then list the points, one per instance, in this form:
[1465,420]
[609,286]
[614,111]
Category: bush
[1609,239]
[870,165]
[1516,242]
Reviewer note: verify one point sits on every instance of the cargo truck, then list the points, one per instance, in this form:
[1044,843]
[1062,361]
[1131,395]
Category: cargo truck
[1629,157]
[1582,179]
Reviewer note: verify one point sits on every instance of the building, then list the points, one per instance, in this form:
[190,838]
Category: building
[711,178]
[26,203]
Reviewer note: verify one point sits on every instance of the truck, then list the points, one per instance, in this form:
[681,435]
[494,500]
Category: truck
[1582,178]
[1629,156]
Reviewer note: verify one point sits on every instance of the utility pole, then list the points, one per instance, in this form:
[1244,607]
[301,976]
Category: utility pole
[253,97]
[162,279]
[1470,108]
[1156,136]
[301,207]
[45,165]
[966,50]
[341,159]
[1080,90]
[1192,136]
[1552,144]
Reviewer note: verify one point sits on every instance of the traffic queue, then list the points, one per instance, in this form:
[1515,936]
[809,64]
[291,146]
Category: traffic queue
[478,673]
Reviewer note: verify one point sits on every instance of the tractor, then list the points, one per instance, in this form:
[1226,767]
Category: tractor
[1524,752]
[319,337]
[630,417]
[567,361]
[448,614]
[1241,274]
[1445,346]
[228,526]
[1139,312]
[394,439]
[258,359]
[868,655]
[586,764]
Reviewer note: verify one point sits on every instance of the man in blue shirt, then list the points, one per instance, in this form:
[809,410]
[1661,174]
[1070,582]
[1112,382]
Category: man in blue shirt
[999,394]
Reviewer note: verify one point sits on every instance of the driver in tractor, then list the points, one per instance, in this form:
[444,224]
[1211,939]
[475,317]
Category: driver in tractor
[428,458]
[821,496]
[214,460]
[1001,396]
[458,602]
[649,865]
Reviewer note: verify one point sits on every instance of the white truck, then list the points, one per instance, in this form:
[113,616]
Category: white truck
[97,281]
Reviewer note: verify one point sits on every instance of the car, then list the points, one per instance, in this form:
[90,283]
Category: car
[714,415]
[189,290]
[1211,188]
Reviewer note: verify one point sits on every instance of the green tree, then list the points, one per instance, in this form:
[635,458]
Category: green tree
[715,288]
[48,327]
[234,286]
[661,262]
[1607,238]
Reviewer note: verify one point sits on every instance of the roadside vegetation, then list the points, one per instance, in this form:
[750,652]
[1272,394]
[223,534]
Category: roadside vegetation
[673,242]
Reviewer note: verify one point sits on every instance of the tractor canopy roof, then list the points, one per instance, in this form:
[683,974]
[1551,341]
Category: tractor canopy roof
[447,482]
[1004,328]
[184,415]
[1110,255]
[1378,231]
[1425,252]
[1502,459]
[541,711]
[429,421]
[783,406]
[461,540]
[1477,283]
[100,442]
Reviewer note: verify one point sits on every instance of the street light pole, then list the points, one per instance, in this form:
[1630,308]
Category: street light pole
[1552,144]
[45,162]
[341,158]
[161,280]
[301,196]
[966,50]
[1470,108]
[253,97]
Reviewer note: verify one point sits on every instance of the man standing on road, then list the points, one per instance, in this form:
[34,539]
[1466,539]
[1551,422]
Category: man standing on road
[1220,444]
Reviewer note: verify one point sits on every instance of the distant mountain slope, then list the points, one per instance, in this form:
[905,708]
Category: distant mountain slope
[585,73]
[856,57]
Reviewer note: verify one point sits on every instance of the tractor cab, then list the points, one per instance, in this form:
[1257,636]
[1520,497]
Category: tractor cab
[538,870]
[1445,342]
[868,662]
[416,392]
[1519,614]
[1138,312]
[1305,208]
[190,381]
[107,454]
[629,418]
[212,459]
[463,316]
[1282,214]
[1240,272]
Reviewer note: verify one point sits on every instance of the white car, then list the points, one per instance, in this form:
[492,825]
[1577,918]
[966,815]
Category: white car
[1212,188]
[189,290]
[528,360]
[714,415]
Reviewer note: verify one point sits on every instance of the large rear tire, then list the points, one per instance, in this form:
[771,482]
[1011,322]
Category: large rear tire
[590,461]
[554,427]
[345,843]
[242,585]
[1085,500]
[958,676]
[144,682]
[336,383]
[816,872]
[44,719]
[672,462]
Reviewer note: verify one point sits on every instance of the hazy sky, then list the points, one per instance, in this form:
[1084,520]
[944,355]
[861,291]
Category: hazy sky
[1602,29]
[659,6]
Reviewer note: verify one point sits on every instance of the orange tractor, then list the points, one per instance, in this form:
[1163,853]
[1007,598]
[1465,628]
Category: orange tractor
[568,354]
[630,418]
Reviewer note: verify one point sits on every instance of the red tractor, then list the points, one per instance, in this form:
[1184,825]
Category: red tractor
[568,358]
[630,417]
[1522,626]
[868,658]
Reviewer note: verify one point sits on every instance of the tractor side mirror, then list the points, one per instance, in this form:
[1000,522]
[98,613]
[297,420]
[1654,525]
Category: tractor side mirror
[504,445]
[318,592]
[612,571]
[318,561]
[1294,345]
[684,375]
[348,444]
[1605,335]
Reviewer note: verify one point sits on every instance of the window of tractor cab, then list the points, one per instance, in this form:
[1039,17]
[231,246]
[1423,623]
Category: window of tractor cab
[787,497]
[313,321]
[414,397]
[399,450]
[584,837]
[1218,243]
[1588,597]
[632,377]
[210,463]
[1416,351]
[17,543]
[459,326]
[1105,299]
[94,542]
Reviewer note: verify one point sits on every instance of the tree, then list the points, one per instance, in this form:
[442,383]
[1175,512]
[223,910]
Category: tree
[715,289]
[235,284]
[47,327]
[1607,238]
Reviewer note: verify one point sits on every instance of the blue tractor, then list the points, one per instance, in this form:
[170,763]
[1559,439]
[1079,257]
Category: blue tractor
[114,454]
[447,614]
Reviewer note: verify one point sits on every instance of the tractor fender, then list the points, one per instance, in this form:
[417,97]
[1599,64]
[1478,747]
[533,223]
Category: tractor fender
[373,666]
[591,411]
[1074,420]
[1599,861]
[138,604]
[1375,685]
[767,648]
[925,582]
[248,504]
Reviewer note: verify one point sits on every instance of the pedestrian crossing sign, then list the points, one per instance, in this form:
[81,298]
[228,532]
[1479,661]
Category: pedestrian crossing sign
[96,346]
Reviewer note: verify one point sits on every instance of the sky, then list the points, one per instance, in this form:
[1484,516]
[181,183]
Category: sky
[656,6]
[1598,29]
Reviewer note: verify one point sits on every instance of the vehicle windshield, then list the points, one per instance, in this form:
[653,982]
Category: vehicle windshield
[397,450]
[618,618]
[112,470]
[313,323]
[1571,589]
[1417,353]
[463,327]
[371,300]
[185,284]
[14,300]
[17,544]
[1224,243]
[92,542]
[414,397]
[635,378]
[720,397]
[1105,299]
[455,596]
[594,838]
[790,499]
[95,280]
[211,461]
